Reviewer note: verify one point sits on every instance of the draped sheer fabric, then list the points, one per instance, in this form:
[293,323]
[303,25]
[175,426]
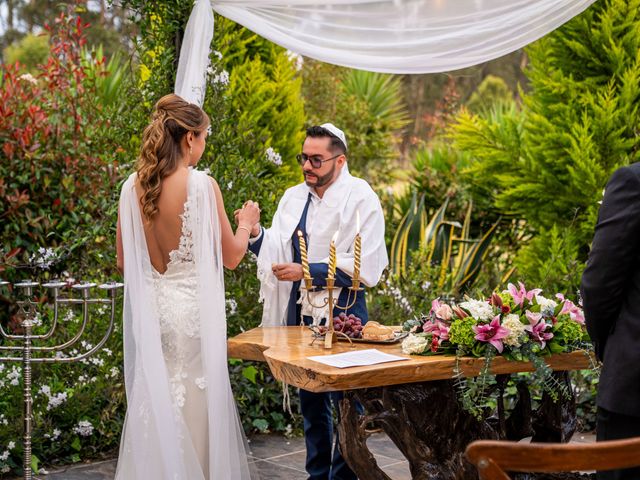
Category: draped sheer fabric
[393,36]
[156,441]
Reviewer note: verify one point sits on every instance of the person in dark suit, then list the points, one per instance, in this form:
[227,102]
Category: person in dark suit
[611,299]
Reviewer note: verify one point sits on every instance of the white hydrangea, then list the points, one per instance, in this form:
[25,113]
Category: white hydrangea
[222,78]
[44,258]
[5,456]
[232,306]
[97,361]
[415,344]
[273,156]
[84,428]
[54,436]
[69,316]
[56,400]
[478,309]
[114,372]
[516,329]
[14,376]
[547,306]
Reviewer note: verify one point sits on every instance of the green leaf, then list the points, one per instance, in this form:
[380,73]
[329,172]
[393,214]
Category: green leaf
[35,462]
[250,373]
[261,424]
[76,444]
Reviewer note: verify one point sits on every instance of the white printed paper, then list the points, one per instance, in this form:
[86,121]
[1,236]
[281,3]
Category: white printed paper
[356,358]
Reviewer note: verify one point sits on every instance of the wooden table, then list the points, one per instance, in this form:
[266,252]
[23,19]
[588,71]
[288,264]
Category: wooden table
[414,401]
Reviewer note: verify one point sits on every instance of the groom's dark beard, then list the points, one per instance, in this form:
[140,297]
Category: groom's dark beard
[321,181]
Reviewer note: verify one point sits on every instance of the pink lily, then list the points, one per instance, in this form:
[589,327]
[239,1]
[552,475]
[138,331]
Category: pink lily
[495,300]
[492,333]
[437,328]
[537,327]
[435,304]
[521,294]
[570,308]
[439,332]
[460,312]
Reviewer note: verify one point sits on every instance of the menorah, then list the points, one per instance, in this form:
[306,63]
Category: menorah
[28,308]
[331,335]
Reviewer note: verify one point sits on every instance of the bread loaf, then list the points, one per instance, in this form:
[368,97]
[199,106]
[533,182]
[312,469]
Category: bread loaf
[375,331]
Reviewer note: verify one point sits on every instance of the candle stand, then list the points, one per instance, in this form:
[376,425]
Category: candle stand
[331,335]
[28,354]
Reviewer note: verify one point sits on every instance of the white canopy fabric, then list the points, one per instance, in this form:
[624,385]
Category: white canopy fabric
[392,36]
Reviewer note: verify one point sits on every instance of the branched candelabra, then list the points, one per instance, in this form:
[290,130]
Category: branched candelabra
[330,302]
[30,354]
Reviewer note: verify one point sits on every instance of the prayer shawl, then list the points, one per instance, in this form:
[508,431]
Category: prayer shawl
[335,212]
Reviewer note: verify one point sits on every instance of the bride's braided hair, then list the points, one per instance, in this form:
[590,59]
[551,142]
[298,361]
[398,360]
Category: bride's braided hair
[161,152]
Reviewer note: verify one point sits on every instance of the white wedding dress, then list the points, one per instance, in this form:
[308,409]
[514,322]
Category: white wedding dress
[181,421]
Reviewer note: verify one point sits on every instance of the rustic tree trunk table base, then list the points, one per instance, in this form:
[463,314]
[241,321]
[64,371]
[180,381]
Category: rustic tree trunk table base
[429,426]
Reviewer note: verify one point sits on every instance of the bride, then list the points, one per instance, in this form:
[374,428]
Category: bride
[173,240]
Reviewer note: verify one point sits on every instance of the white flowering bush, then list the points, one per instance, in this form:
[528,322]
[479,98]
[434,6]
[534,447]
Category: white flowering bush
[78,408]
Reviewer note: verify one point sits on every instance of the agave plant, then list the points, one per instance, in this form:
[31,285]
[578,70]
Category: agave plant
[449,247]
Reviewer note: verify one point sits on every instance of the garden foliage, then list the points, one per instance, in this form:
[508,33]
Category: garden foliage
[549,161]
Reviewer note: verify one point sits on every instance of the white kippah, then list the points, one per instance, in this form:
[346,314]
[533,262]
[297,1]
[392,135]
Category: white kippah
[336,131]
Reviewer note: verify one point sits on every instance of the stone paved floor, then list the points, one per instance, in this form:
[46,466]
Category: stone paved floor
[276,458]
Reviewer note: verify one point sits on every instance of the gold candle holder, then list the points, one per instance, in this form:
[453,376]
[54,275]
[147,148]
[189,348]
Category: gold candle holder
[308,281]
[332,257]
[331,335]
[357,252]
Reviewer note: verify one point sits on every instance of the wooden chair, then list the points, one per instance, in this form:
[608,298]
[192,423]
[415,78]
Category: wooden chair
[494,457]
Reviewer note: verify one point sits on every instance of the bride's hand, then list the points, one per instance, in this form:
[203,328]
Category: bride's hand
[249,215]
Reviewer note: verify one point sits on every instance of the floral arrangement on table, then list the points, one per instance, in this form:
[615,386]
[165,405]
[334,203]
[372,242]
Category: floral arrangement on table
[518,324]
[515,323]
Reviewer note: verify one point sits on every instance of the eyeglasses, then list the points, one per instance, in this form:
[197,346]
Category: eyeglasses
[315,160]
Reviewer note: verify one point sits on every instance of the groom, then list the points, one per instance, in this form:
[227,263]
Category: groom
[330,200]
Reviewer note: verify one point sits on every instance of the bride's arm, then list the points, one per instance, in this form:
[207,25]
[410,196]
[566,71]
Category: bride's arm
[234,245]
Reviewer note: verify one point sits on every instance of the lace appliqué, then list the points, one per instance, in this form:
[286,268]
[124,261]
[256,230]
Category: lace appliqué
[184,252]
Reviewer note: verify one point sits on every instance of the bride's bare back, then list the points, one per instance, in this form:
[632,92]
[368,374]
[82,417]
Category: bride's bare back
[163,234]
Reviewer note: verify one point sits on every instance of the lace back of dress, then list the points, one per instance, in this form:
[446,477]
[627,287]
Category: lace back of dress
[184,252]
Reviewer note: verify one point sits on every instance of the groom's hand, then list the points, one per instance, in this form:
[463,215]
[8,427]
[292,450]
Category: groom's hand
[289,272]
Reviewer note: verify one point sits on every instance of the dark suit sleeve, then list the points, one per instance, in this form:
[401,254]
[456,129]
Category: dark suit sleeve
[612,258]
[319,273]
[255,246]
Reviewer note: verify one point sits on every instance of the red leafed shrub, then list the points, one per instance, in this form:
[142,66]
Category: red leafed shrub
[57,166]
